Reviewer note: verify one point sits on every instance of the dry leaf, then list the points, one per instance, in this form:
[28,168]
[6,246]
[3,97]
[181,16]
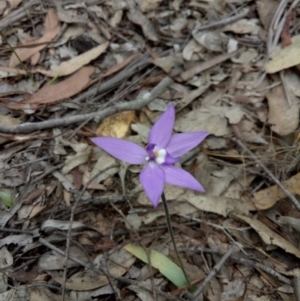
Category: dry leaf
[192,96]
[8,72]
[137,17]
[219,205]
[120,66]
[210,118]
[200,67]
[266,10]
[82,282]
[14,3]
[266,198]
[37,293]
[8,120]
[117,264]
[53,261]
[213,178]
[245,130]
[291,221]
[283,116]
[191,48]
[211,40]
[104,168]
[57,92]
[2,8]
[269,237]
[148,5]
[244,26]
[78,159]
[167,63]
[75,63]
[117,125]
[283,58]
[51,29]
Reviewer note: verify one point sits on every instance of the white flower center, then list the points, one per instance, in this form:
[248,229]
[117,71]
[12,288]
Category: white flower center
[160,156]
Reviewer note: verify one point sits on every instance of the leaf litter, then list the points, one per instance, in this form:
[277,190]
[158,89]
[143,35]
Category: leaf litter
[72,71]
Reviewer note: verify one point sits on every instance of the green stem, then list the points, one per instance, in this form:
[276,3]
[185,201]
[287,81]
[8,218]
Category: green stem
[168,218]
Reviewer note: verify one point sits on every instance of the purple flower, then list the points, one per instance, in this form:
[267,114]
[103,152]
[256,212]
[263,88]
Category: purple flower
[162,151]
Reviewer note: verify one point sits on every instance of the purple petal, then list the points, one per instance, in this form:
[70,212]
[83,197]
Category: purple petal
[170,160]
[179,177]
[152,179]
[126,151]
[182,143]
[161,132]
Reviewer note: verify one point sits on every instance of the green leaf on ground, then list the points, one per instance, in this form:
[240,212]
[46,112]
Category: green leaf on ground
[7,199]
[161,262]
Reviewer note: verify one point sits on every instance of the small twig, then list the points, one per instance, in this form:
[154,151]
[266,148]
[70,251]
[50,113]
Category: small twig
[143,246]
[168,219]
[224,21]
[137,104]
[48,171]
[17,15]
[62,253]
[274,32]
[269,173]
[68,243]
[285,87]
[148,289]
[3,229]
[224,229]
[296,282]
[244,261]
[213,273]
[88,266]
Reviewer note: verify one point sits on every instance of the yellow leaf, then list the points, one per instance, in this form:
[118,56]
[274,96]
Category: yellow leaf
[117,125]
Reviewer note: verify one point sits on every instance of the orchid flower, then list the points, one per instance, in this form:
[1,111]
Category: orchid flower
[160,155]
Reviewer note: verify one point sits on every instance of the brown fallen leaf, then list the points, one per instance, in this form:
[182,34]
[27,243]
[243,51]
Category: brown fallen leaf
[168,63]
[75,63]
[7,120]
[57,92]
[219,205]
[7,72]
[148,5]
[137,17]
[14,3]
[283,116]
[266,198]
[43,294]
[244,26]
[191,96]
[51,29]
[118,264]
[283,58]
[246,130]
[268,236]
[266,10]
[210,118]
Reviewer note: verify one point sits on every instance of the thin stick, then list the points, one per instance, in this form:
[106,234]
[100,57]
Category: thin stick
[136,104]
[224,21]
[269,173]
[213,273]
[164,201]
[245,261]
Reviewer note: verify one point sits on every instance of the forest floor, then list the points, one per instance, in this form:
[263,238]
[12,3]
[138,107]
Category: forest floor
[75,223]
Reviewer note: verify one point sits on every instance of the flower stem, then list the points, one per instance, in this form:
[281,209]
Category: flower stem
[170,229]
